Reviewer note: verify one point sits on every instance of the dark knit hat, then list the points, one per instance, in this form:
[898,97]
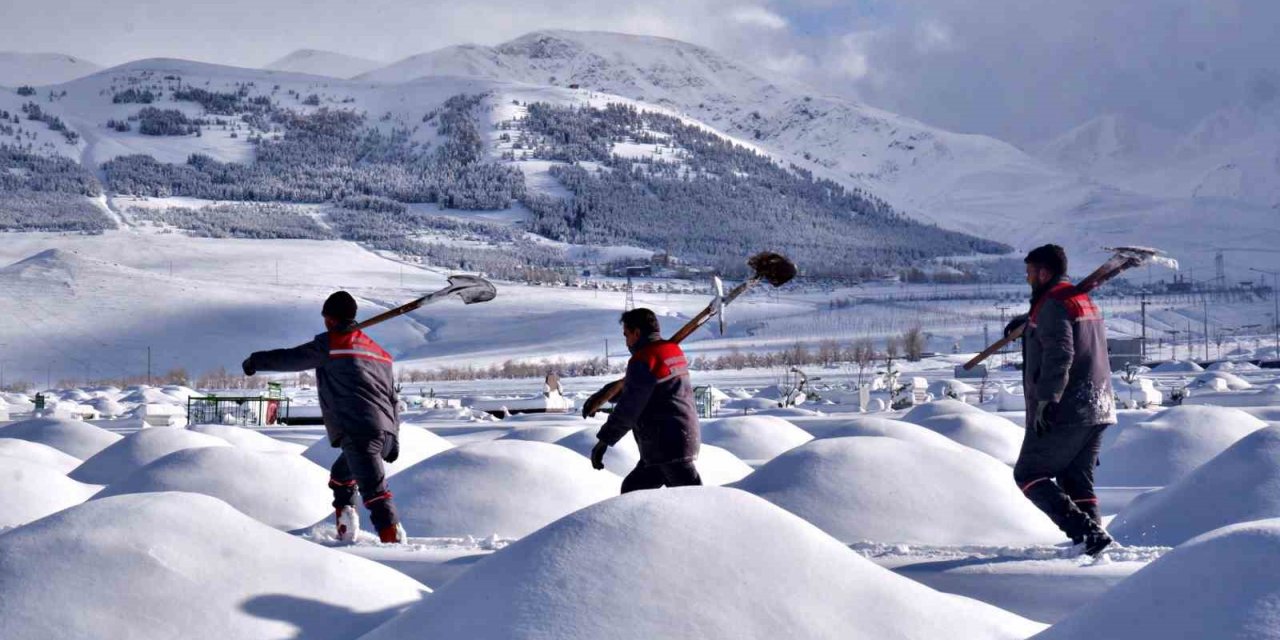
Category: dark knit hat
[340,306]
[1049,256]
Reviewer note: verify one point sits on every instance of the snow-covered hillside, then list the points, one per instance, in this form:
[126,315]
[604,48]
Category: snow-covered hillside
[323,63]
[971,183]
[35,69]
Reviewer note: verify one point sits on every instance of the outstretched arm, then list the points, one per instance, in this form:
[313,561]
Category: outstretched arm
[305,356]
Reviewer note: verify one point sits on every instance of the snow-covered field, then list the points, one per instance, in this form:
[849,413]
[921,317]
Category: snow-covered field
[830,522]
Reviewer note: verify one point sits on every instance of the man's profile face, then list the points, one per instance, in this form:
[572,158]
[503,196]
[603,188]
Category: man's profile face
[631,335]
[1037,276]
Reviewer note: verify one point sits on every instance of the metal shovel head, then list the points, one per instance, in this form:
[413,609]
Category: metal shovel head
[774,268]
[472,289]
[1144,255]
[718,303]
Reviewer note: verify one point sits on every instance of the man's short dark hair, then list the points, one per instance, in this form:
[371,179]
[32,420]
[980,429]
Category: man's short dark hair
[1049,256]
[642,320]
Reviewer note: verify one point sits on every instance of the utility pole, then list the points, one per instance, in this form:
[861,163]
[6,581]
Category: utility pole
[1174,341]
[1204,300]
[1275,297]
[148,365]
[1002,308]
[1145,302]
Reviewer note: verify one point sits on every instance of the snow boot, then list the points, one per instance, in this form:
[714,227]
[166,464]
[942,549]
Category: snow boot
[348,522]
[1095,542]
[393,534]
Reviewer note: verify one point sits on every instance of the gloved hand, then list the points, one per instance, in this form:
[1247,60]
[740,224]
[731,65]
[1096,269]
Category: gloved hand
[597,455]
[594,400]
[1042,421]
[247,366]
[1017,321]
[390,447]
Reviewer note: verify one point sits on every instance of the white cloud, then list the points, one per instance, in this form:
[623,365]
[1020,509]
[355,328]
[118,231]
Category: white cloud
[758,17]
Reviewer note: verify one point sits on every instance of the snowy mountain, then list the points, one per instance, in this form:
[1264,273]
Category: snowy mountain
[1108,144]
[36,69]
[1233,153]
[323,63]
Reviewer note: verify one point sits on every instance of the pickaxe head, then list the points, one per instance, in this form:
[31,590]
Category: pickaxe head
[773,268]
[472,289]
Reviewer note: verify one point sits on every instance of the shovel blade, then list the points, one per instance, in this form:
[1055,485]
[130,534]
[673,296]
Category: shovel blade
[472,289]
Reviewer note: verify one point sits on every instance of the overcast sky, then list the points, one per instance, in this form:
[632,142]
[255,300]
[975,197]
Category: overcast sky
[1019,69]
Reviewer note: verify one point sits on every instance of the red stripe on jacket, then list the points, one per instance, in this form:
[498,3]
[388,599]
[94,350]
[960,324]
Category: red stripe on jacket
[1078,303]
[665,359]
[356,345]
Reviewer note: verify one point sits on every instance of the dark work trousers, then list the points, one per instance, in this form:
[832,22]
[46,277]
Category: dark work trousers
[360,465]
[1067,455]
[671,474]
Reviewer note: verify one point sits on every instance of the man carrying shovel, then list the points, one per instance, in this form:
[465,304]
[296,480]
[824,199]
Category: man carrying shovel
[358,401]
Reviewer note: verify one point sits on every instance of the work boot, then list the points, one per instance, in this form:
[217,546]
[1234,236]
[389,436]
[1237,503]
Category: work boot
[348,522]
[393,534]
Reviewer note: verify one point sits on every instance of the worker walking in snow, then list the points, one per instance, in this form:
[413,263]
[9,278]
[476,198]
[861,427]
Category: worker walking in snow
[656,404]
[359,404]
[1066,380]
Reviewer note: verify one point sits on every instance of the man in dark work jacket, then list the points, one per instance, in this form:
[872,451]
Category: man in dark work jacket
[358,400]
[1069,402]
[656,404]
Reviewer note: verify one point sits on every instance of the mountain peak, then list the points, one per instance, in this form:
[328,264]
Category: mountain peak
[323,63]
[38,69]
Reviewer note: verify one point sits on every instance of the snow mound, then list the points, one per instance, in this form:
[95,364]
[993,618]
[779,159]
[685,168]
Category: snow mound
[38,453]
[717,466]
[788,412]
[32,491]
[151,395]
[107,407]
[1231,381]
[138,450]
[416,444]
[886,428]
[754,437]
[1228,365]
[951,388]
[1172,444]
[620,459]
[1178,366]
[542,433]
[890,490]
[180,565]
[247,438]
[505,487]
[970,426]
[720,467]
[72,437]
[693,562]
[1240,484]
[1220,585]
[279,489]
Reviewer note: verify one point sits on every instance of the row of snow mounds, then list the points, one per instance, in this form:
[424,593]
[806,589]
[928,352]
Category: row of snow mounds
[1240,484]
[1170,445]
[754,438]
[1222,584]
[181,565]
[717,466]
[970,426]
[138,450]
[282,490]
[546,427]
[1236,366]
[897,491]
[416,444]
[692,562]
[72,437]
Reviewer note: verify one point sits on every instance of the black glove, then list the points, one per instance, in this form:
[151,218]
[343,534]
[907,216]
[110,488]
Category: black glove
[1016,322]
[1044,417]
[596,398]
[247,366]
[390,447]
[597,454]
